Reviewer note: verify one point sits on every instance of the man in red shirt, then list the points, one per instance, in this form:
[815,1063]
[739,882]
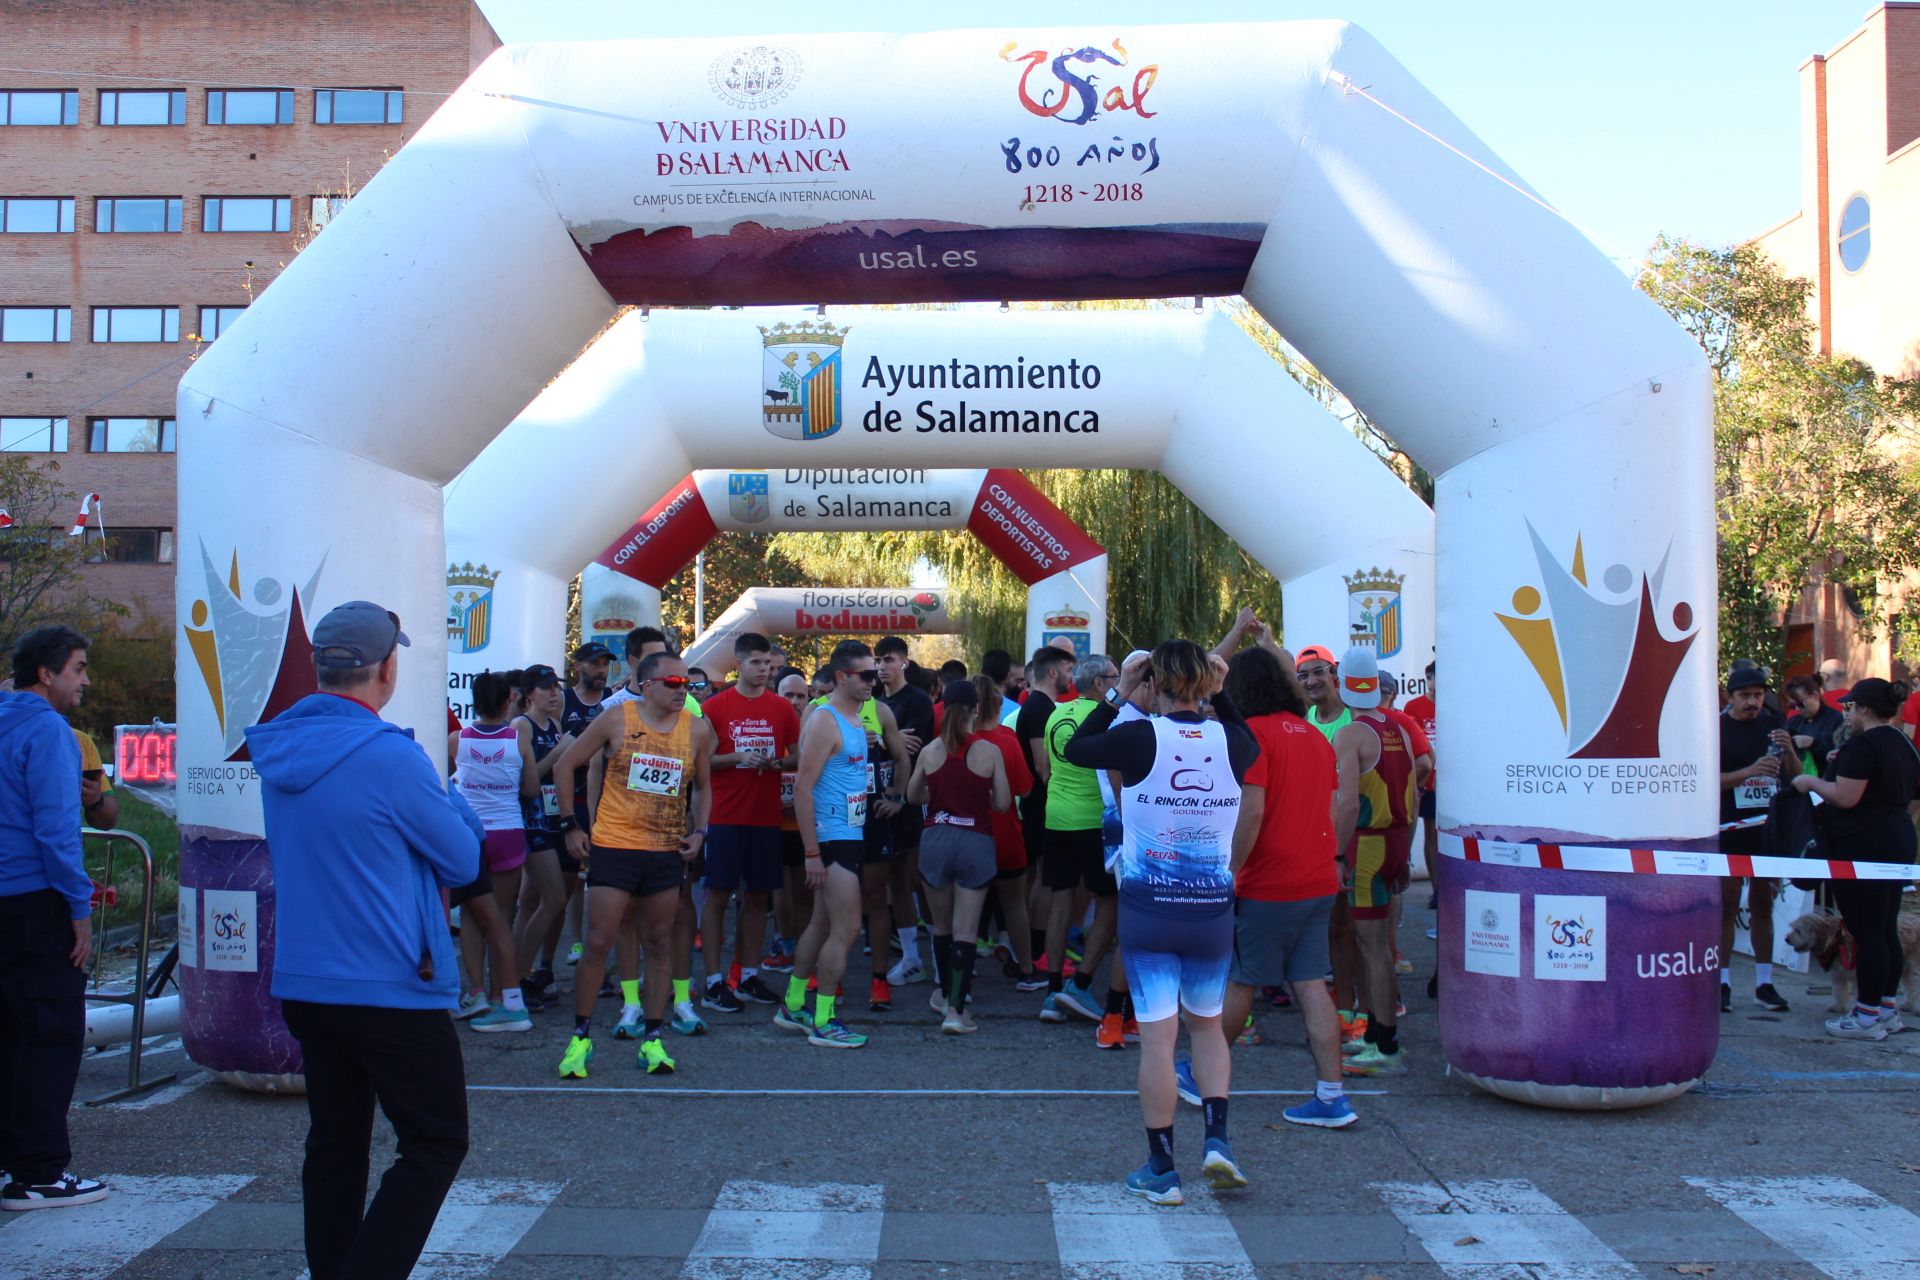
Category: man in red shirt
[1421,709]
[1285,877]
[756,731]
[1422,780]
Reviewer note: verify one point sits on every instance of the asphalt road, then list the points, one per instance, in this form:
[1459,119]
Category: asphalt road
[999,1154]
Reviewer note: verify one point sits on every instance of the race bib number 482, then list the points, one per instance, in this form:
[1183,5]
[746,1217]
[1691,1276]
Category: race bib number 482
[655,775]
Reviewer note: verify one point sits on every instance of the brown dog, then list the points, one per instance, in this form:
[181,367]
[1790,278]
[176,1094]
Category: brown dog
[1825,939]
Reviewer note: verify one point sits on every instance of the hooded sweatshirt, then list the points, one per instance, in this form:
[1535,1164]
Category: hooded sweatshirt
[362,836]
[40,804]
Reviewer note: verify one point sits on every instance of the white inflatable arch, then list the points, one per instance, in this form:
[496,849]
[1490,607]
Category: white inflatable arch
[1566,418]
[816,611]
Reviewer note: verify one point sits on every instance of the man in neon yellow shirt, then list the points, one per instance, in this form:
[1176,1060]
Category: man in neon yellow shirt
[1075,855]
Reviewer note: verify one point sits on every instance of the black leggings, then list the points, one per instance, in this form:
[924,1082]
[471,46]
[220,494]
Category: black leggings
[1871,909]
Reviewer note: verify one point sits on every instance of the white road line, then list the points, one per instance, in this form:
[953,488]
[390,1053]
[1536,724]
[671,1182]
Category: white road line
[1501,1229]
[480,1222]
[166,1093]
[1104,1232]
[1839,1227]
[95,1239]
[773,1231]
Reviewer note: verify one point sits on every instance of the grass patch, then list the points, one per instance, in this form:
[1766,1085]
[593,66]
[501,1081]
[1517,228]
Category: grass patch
[162,835]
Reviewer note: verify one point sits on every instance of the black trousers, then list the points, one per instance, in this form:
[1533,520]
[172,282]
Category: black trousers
[407,1060]
[43,1027]
[1871,909]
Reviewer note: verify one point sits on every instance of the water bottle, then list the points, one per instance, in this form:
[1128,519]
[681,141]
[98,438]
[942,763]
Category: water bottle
[1771,785]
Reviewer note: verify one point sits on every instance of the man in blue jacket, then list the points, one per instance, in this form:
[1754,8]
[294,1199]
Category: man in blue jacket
[46,922]
[363,836]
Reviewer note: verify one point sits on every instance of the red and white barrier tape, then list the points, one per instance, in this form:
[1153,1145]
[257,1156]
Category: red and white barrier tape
[1667,862]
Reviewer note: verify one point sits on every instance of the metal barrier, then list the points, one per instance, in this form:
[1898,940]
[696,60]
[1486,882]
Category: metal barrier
[138,996]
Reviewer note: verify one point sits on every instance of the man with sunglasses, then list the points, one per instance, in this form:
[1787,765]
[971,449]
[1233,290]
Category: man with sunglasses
[649,825]
[832,795]
[363,837]
[1319,674]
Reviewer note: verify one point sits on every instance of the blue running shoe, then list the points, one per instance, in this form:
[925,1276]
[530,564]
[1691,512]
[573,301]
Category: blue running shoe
[1337,1114]
[1222,1173]
[687,1021]
[1156,1188]
[1077,1001]
[1183,1081]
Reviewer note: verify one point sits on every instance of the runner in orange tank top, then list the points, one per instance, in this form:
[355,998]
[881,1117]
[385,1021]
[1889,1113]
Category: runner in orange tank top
[1373,825]
[650,822]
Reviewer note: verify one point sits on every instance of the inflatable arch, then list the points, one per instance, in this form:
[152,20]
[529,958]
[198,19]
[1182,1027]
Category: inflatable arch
[1566,418]
[1065,570]
[1182,393]
[788,611]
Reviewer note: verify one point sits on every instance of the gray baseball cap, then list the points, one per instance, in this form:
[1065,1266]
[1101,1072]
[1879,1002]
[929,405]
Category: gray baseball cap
[358,633]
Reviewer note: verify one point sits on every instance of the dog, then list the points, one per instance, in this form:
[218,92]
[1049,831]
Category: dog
[1824,938]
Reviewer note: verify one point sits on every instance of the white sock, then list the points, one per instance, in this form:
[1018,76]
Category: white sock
[1726,977]
[513,1000]
[910,943]
[746,973]
[1329,1090]
[1762,974]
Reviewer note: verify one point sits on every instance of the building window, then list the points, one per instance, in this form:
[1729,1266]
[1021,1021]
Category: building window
[249,106]
[326,209]
[39,106]
[130,435]
[28,215]
[129,546]
[36,324]
[136,324]
[143,106]
[1855,233]
[124,214]
[247,213]
[357,106]
[33,435]
[215,321]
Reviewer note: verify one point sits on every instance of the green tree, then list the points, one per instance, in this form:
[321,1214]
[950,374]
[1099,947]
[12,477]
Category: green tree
[39,563]
[1815,470]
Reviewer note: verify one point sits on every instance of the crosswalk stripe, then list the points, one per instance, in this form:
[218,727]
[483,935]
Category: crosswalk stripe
[774,1231]
[1836,1226]
[1104,1232]
[480,1221]
[165,1093]
[95,1239]
[1501,1228]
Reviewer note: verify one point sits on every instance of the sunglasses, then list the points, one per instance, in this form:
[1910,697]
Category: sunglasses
[868,676]
[699,684]
[672,682]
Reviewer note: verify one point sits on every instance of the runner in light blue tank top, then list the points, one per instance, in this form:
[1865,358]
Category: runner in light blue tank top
[842,780]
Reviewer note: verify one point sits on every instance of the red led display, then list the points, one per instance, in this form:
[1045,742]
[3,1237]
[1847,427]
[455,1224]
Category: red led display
[143,755]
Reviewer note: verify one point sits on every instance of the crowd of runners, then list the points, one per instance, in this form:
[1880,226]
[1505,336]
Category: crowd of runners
[1205,830]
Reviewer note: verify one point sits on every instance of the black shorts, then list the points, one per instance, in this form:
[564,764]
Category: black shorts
[740,857]
[1074,858]
[841,853]
[1426,805]
[793,851]
[640,872]
[904,828]
[876,838]
[569,865]
[468,892]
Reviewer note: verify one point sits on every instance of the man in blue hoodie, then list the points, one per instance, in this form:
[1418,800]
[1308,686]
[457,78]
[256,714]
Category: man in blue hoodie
[46,922]
[363,837]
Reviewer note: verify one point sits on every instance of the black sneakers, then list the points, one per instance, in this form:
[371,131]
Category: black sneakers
[1726,998]
[720,996]
[755,990]
[1768,998]
[64,1193]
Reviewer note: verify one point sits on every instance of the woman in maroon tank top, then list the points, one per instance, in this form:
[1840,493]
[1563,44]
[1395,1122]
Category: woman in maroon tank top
[963,783]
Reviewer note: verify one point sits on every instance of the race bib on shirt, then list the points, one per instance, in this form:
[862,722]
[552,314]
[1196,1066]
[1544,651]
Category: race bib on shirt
[873,784]
[1754,793]
[856,808]
[655,775]
[786,789]
[755,745]
[549,800]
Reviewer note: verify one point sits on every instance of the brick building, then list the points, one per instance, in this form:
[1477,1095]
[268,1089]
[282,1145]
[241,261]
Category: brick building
[154,177]
[1854,239]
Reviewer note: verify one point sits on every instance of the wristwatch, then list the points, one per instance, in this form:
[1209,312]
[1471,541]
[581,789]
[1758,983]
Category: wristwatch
[1113,697]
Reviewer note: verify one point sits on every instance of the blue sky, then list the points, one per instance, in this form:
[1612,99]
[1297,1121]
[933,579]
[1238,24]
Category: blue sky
[1635,117]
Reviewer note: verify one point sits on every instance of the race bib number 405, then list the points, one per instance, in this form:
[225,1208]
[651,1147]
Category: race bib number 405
[1756,793]
[655,775]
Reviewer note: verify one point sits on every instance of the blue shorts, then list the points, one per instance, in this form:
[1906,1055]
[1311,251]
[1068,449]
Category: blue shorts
[743,858]
[1175,963]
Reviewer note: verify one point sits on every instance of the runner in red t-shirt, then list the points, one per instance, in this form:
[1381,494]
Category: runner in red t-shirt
[1423,784]
[756,731]
[1421,709]
[1009,838]
[1285,876]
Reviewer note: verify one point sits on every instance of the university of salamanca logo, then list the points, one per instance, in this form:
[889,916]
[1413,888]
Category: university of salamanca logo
[755,76]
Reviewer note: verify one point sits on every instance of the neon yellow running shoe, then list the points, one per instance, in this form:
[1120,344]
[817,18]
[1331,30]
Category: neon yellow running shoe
[573,1063]
[653,1056]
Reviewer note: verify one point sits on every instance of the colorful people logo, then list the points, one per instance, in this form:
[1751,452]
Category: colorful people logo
[251,648]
